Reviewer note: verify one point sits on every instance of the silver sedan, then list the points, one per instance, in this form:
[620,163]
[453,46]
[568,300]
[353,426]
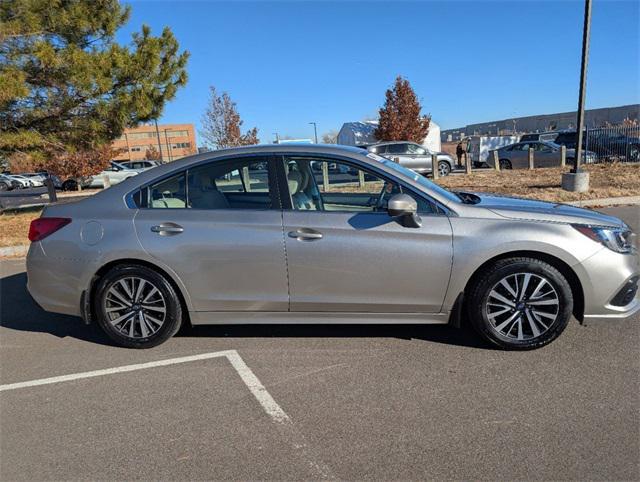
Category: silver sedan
[260,235]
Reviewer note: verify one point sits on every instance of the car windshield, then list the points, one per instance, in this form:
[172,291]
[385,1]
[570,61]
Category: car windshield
[423,181]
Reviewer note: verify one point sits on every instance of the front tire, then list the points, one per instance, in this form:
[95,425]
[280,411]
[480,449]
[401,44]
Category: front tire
[137,307]
[520,303]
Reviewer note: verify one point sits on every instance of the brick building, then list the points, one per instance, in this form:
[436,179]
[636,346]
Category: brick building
[173,141]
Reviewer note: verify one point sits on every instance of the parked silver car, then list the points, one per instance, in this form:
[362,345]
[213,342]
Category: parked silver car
[545,154]
[256,235]
[414,156]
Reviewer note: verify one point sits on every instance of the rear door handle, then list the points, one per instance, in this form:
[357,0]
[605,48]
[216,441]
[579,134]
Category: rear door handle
[167,229]
[305,234]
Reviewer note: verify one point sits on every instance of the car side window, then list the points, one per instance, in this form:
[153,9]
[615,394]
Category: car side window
[169,193]
[396,148]
[327,185]
[414,149]
[242,184]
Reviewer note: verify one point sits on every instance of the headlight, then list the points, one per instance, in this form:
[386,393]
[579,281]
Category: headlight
[616,239]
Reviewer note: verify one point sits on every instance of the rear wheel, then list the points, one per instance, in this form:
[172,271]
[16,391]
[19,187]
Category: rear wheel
[137,307]
[520,303]
[4,186]
[444,168]
[505,164]
[70,185]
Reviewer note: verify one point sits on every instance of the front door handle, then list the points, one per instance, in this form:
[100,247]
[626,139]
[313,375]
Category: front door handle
[167,229]
[305,234]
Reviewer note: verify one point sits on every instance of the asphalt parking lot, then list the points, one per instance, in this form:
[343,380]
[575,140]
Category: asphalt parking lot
[300,402]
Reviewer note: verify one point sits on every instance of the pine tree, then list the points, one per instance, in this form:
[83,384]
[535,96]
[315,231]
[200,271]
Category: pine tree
[67,88]
[400,118]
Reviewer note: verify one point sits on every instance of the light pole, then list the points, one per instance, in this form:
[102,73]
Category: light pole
[158,136]
[277,138]
[315,131]
[577,180]
[583,83]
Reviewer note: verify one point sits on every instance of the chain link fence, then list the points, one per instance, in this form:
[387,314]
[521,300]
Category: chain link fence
[608,144]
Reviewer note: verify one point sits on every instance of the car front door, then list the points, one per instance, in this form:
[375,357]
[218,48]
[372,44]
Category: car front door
[218,226]
[545,155]
[346,254]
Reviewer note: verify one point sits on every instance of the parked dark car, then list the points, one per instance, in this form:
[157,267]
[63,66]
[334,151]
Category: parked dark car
[607,145]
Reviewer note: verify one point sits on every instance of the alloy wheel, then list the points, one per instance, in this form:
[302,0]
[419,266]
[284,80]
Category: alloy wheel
[135,307]
[443,169]
[522,306]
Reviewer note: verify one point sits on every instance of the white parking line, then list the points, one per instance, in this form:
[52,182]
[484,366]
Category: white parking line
[252,382]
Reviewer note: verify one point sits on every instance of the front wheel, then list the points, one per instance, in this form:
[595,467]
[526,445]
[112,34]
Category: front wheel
[520,303]
[137,307]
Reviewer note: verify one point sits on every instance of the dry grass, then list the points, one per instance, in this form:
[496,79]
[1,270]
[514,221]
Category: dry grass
[606,180]
[14,228]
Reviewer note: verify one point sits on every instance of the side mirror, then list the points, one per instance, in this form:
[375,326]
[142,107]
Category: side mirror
[405,208]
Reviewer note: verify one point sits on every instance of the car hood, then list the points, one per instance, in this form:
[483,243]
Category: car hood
[531,209]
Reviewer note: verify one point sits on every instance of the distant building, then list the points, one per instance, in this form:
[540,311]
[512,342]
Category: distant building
[173,141]
[544,122]
[361,134]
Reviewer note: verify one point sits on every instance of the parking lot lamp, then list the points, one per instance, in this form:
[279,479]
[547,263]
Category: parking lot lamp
[576,180]
[315,131]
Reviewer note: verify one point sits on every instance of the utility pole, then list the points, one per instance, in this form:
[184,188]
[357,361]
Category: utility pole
[315,131]
[277,138]
[578,180]
[583,83]
[158,136]
[168,145]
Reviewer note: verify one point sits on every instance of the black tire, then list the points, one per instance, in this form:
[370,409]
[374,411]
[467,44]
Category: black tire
[444,168]
[505,164]
[70,185]
[4,186]
[171,303]
[481,290]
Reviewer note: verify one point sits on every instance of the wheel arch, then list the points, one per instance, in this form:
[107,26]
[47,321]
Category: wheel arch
[87,307]
[566,270]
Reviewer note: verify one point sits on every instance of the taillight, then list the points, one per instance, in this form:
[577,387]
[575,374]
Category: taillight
[42,227]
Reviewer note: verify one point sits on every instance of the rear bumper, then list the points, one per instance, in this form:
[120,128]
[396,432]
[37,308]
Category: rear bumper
[55,284]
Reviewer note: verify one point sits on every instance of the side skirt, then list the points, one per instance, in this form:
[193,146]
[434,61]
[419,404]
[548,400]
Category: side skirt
[272,317]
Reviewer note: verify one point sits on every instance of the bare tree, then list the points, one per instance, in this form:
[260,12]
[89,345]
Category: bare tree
[221,123]
[153,154]
[330,137]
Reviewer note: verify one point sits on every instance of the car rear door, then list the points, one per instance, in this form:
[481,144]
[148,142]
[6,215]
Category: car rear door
[346,254]
[218,226]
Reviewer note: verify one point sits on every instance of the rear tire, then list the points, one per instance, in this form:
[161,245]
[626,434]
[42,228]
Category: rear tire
[520,303]
[137,307]
[444,168]
[505,164]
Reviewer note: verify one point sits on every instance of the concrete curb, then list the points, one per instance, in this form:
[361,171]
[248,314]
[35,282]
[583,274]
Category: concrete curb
[610,201]
[20,250]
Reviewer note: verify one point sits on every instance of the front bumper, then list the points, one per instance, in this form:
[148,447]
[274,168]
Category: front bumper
[604,276]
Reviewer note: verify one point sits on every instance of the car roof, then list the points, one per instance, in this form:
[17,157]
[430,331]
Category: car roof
[386,143]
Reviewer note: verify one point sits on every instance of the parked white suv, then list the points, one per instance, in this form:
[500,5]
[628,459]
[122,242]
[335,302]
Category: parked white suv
[413,156]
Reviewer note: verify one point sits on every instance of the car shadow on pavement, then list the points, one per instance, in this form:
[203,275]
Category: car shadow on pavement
[18,311]
[432,333]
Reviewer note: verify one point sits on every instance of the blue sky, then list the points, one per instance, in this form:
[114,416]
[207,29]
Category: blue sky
[289,63]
